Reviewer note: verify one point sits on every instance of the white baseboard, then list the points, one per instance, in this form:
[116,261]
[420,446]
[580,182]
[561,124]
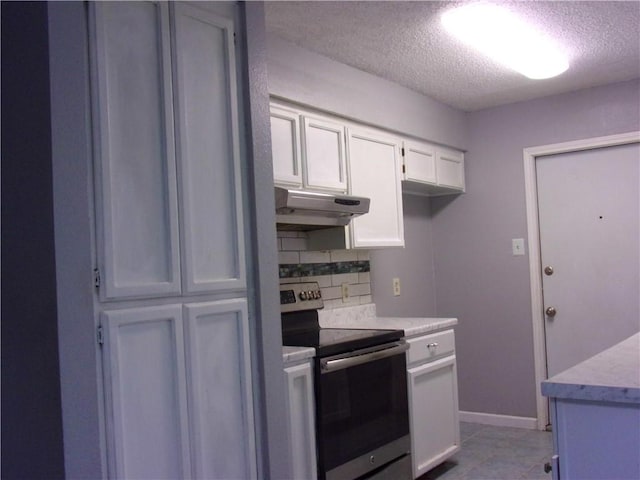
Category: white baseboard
[499,420]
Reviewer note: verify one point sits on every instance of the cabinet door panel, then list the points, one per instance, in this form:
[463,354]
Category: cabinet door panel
[219,387]
[450,169]
[136,189]
[208,151]
[420,162]
[433,411]
[375,172]
[285,147]
[324,155]
[145,378]
[300,406]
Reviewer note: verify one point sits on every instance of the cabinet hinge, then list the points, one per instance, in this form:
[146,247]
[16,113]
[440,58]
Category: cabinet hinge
[402,151]
[404,170]
[96,277]
[235,39]
[100,335]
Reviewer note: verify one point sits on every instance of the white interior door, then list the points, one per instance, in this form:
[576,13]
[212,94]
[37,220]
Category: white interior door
[588,204]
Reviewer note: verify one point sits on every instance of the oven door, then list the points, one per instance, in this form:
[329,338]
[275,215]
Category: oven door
[362,411]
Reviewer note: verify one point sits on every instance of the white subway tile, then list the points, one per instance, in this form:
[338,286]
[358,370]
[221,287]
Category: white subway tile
[294,244]
[331,304]
[324,281]
[331,293]
[360,289]
[288,257]
[344,255]
[315,257]
[365,299]
[364,277]
[363,255]
[291,280]
[340,278]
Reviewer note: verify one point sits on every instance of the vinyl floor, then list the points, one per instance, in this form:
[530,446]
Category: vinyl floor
[497,453]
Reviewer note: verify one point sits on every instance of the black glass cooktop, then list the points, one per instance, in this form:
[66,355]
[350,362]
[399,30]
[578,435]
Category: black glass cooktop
[332,341]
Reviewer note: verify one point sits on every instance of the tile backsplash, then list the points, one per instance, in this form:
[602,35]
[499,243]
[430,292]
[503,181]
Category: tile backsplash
[330,268]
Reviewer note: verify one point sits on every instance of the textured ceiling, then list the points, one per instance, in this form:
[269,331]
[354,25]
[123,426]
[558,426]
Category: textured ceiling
[405,43]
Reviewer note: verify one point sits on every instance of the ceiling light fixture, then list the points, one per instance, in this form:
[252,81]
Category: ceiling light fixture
[507,39]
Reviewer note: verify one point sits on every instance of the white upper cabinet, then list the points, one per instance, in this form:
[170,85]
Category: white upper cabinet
[285,145]
[375,171]
[308,151]
[450,168]
[169,212]
[420,162]
[432,170]
[208,151]
[135,154]
[324,165]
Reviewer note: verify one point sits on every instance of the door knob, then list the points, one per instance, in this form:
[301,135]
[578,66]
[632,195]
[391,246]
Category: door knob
[551,311]
[548,270]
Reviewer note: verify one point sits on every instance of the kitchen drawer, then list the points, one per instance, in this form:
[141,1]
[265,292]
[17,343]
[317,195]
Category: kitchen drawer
[428,347]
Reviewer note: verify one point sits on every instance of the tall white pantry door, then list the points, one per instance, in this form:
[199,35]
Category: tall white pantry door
[588,204]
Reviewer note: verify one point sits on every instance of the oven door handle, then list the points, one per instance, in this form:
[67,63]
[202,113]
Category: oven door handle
[328,366]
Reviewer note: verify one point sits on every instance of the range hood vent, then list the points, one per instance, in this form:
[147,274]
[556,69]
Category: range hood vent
[302,210]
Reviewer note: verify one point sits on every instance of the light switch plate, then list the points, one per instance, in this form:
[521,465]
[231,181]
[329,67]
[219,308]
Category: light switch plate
[517,246]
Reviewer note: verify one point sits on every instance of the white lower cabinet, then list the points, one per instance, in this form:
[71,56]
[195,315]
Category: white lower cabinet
[301,408]
[433,400]
[178,382]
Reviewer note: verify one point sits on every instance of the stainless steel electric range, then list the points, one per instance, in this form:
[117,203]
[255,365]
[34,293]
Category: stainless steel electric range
[362,413]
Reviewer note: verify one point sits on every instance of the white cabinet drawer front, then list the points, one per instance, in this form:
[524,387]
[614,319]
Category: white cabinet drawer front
[430,346]
[136,177]
[208,151]
[285,147]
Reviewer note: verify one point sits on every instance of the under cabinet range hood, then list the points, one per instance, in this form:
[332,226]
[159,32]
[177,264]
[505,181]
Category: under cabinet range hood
[303,210]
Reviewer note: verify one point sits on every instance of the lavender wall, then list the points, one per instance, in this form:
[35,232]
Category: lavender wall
[311,79]
[413,265]
[478,279]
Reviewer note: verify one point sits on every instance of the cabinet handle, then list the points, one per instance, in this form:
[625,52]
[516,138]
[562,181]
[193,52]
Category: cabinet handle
[432,345]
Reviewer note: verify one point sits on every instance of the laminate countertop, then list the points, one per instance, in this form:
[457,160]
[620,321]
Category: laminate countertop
[297,354]
[364,316]
[610,376]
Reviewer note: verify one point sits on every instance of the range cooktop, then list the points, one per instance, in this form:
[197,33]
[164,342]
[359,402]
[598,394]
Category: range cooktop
[299,305]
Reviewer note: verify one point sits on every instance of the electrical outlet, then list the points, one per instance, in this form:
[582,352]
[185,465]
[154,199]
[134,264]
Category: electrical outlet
[396,287]
[345,292]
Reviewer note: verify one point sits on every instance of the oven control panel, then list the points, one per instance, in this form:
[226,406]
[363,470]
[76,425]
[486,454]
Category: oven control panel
[300,296]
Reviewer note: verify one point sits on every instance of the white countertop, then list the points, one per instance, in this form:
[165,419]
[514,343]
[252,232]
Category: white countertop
[364,316]
[297,354]
[610,376]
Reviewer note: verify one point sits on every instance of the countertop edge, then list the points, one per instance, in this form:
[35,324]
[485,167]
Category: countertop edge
[612,376]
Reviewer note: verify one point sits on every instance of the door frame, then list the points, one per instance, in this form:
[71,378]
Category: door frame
[533,237]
